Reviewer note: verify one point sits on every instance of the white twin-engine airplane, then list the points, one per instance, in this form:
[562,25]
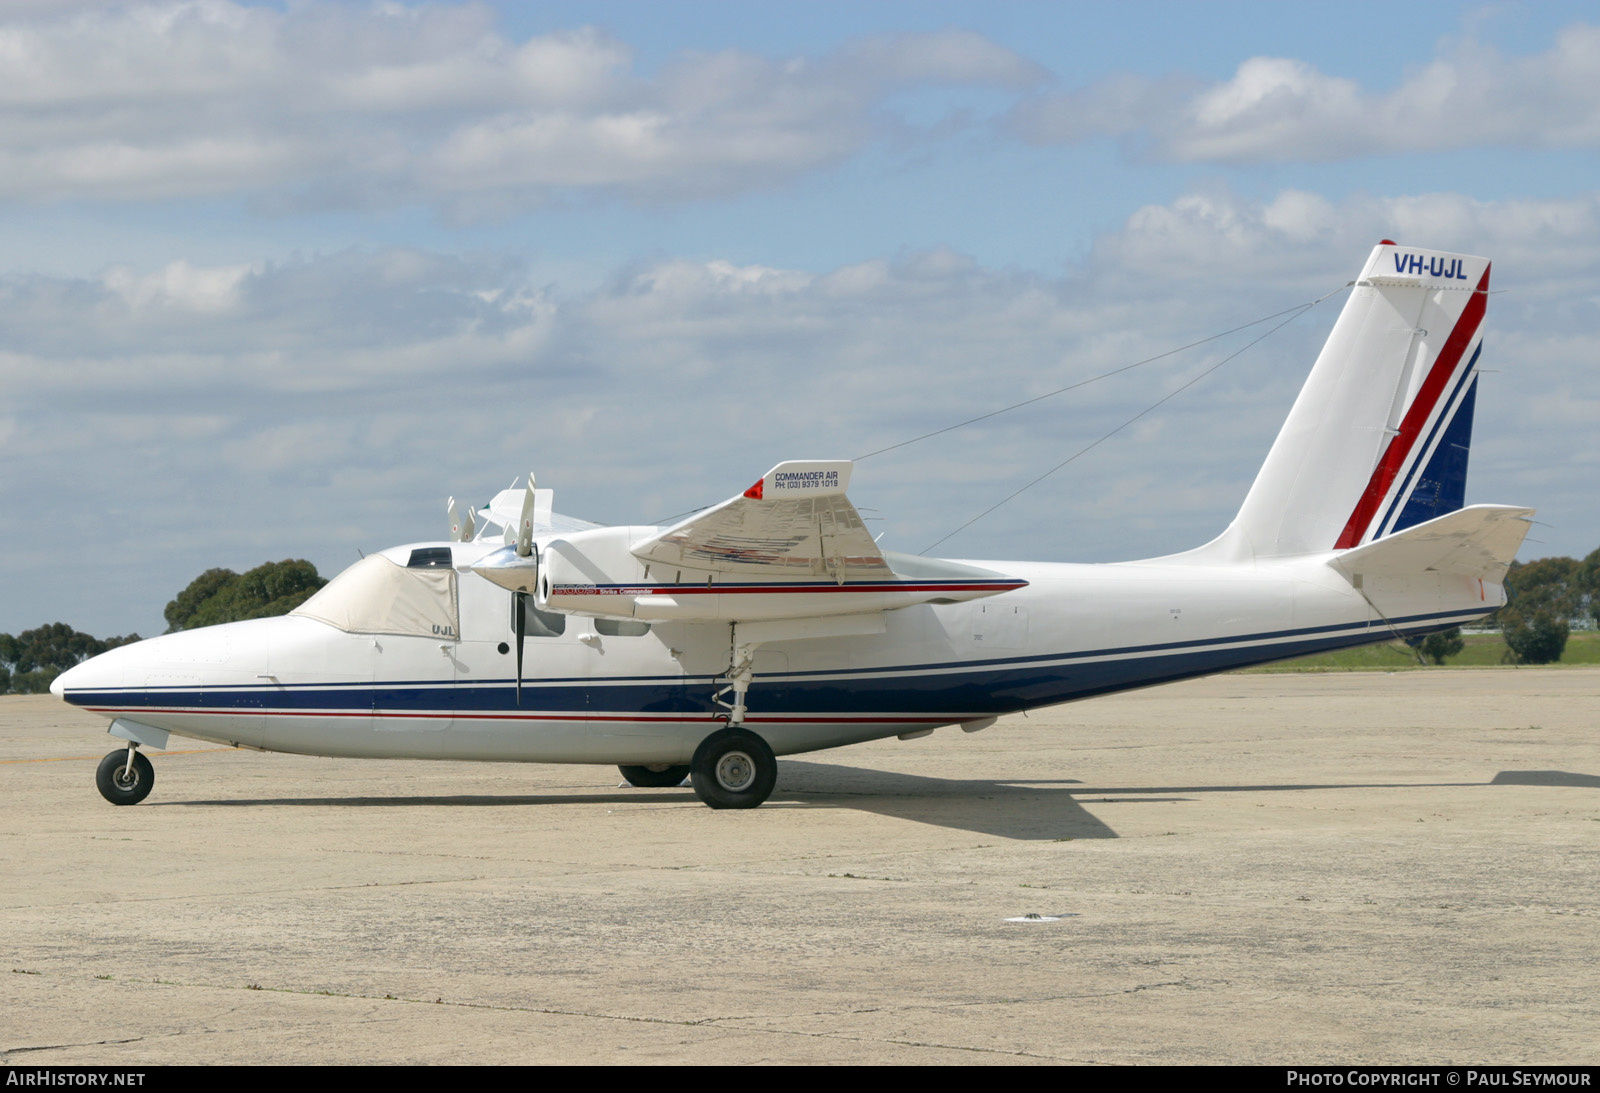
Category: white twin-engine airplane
[772,624]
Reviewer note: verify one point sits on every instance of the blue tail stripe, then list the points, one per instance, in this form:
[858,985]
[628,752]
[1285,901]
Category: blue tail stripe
[1442,486]
[1456,423]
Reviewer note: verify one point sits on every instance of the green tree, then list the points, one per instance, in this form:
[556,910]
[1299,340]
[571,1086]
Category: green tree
[56,646]
[221,595]
[1536,637]
[31,661]
[191,599]
[1541,596]
[1444,643]
[1553,585]
[1589,583]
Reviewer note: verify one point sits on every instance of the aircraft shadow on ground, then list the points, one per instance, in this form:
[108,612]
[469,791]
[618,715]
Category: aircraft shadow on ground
[1045,808]
[1036,809]
[1029,809]
[1546,778]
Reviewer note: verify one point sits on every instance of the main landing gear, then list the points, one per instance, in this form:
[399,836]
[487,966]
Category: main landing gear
[654,776]
[125,776]
[733,768]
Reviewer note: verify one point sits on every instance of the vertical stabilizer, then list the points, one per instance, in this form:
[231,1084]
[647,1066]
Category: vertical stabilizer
[1377,441]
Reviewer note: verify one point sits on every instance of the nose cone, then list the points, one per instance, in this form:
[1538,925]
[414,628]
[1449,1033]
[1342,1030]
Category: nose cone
[123,667]
[174,669]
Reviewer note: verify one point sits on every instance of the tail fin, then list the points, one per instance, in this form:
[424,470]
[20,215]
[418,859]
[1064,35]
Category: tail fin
[1377,441]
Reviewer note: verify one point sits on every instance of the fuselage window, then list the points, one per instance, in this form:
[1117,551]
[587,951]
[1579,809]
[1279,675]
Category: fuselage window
[621,628]
[539,624]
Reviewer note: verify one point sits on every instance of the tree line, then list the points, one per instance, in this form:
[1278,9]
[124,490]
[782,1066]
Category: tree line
[1544,598]
[30,661]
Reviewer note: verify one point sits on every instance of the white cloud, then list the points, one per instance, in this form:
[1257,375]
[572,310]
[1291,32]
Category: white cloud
[1278,109]
[362,385]
[1116,106]
[227,414]
[1200,235]
[179,285]
[180,98]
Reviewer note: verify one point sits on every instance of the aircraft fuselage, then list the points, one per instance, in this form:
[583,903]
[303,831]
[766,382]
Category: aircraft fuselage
[298,684]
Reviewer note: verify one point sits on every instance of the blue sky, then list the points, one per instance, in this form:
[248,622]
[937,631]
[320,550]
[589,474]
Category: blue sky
[277,279]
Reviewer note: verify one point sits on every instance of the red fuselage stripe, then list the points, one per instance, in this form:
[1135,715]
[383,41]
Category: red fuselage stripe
[773,589]
[387,715]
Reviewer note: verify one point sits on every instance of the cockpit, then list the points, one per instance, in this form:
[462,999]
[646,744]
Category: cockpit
[378,595]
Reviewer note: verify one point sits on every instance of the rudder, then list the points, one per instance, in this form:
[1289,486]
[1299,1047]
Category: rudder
[1377,441]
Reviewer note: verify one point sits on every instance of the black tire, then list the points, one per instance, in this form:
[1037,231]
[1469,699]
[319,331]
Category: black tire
[733,768]
[654,776]
[120,788]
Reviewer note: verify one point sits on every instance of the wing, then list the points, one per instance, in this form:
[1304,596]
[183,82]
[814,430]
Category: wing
[788,551]
[796,521]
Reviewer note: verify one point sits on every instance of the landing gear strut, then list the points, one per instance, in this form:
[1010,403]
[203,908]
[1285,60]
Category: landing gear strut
[739,678]
[125,776]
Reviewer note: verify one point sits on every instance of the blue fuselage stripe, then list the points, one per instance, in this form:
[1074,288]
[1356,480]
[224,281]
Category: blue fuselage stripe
[962,687]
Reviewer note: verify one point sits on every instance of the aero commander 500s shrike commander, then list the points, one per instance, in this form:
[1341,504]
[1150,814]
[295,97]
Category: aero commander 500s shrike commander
[772,624]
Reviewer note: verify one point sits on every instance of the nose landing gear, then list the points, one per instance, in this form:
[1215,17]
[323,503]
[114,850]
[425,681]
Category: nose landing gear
[125,776]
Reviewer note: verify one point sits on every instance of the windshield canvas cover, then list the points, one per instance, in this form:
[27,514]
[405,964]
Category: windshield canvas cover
[376,596]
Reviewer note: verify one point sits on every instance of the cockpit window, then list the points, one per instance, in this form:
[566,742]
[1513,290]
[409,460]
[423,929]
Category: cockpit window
[429,558]
[376,596]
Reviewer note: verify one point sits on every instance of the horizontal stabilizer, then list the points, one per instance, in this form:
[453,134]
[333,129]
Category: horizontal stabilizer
[1476,542]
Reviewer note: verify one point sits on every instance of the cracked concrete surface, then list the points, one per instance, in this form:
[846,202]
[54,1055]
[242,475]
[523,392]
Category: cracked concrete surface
[1251,868]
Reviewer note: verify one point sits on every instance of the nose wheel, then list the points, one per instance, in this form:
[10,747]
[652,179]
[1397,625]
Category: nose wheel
[125,777]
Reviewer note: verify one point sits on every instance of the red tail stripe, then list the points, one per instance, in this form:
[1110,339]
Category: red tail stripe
[1400,445]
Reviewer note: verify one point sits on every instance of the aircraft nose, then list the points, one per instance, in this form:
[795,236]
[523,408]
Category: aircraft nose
[120,668]
[185,663]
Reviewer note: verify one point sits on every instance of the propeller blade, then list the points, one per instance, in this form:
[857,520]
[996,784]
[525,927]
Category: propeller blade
[519,615]
[525,523]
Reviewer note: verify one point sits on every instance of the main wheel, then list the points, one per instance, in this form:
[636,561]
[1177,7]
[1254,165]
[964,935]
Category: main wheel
[654,776]
[733,768]
[121,786]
